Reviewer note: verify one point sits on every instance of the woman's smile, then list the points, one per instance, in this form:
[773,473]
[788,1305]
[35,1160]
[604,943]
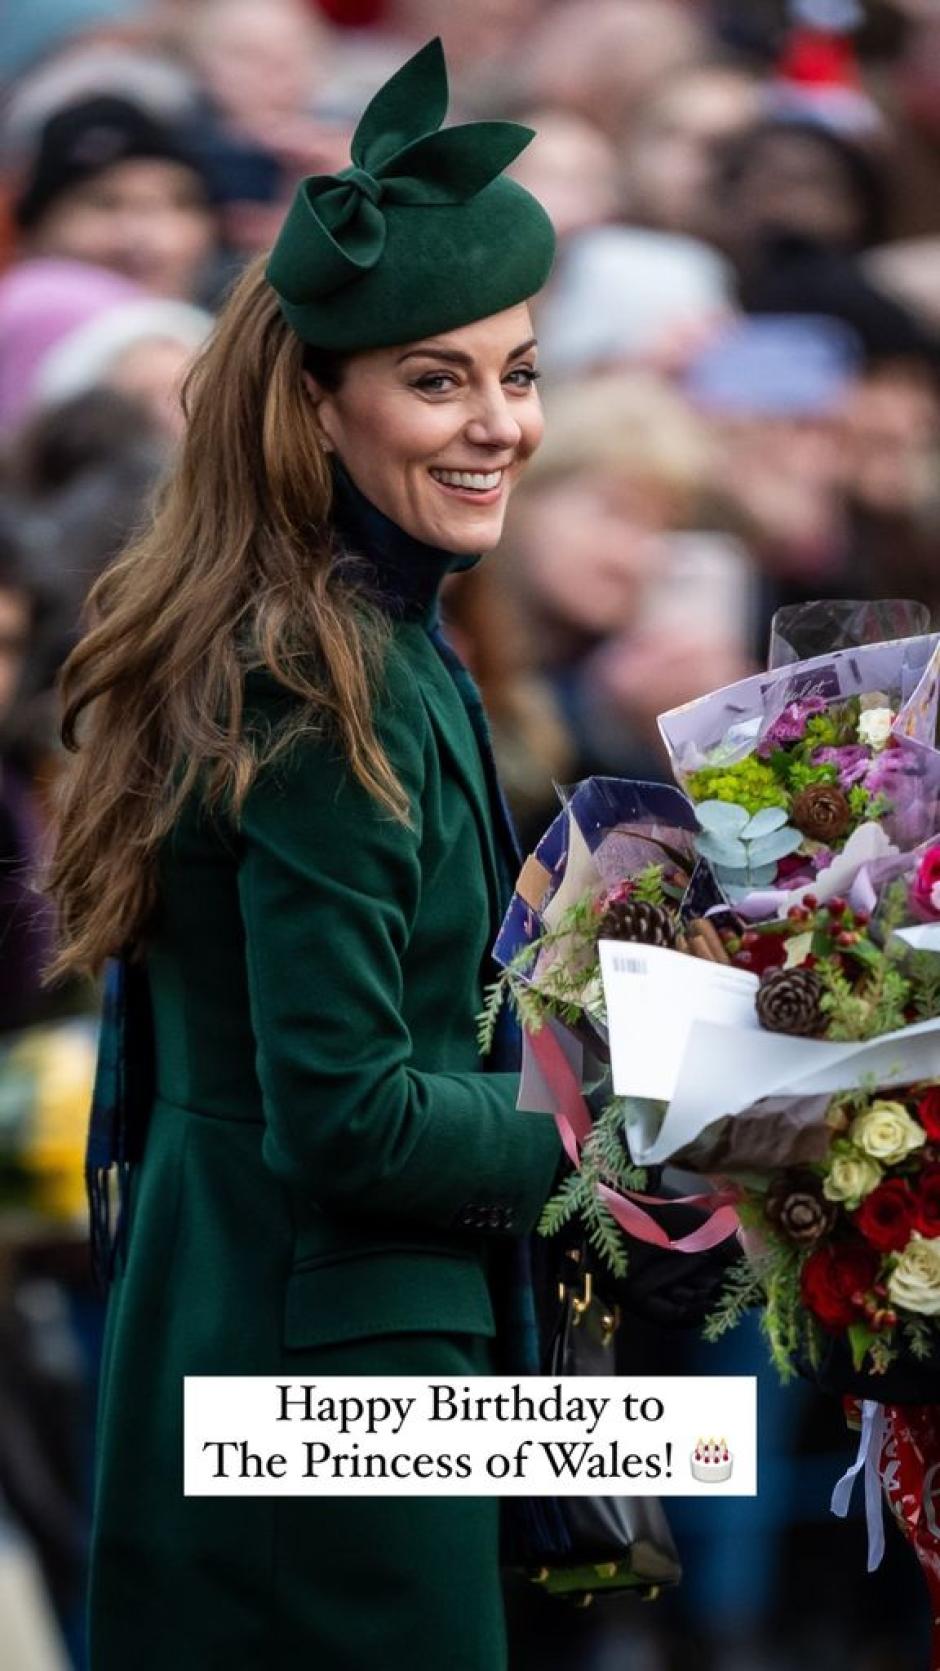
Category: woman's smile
[475,487]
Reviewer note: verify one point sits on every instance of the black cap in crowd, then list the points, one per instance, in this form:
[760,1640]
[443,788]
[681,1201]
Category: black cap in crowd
[86,138]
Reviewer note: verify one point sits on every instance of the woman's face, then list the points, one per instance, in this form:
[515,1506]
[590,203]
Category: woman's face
[435,433]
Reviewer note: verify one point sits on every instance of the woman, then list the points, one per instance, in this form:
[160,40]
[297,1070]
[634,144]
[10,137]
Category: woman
[282,804]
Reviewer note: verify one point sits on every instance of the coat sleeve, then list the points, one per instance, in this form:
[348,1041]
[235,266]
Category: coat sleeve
[329,887]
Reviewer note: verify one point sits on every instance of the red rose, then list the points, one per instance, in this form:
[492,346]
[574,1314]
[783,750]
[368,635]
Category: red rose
[928,1112]
[887,1216]
[927,1202]
[831,1278]
[926,878]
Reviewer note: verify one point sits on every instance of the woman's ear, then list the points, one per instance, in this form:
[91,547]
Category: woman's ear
[320,401]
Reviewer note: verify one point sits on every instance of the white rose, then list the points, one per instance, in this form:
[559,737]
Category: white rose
[851,1177]
[874,727]
[886,1132]
[914,1284]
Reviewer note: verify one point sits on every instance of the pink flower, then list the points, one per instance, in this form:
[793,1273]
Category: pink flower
[852,761]
[790,724]
[925,889]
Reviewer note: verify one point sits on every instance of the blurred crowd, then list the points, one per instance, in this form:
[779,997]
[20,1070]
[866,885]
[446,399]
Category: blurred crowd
[740,347]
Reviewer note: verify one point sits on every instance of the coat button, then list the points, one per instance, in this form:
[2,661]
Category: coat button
[496,1218]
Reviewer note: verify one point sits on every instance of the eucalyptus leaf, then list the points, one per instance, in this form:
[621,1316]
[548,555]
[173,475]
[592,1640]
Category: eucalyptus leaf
[722,818]
[761,876]
[775,846]
[722,850]
[730,873]
[764,823]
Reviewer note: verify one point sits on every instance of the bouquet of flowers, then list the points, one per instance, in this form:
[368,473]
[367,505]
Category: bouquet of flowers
[618,862]
[758,1001]
[801,775]
[842,1235]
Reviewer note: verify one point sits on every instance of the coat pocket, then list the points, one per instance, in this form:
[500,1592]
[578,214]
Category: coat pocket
[388,1291]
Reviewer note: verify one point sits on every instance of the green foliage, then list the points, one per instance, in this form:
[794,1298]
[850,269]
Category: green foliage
[750,783]
[920,1338]
[783,1313]
[743,1289]
[833,729]
[604,1160]
[799,774]
[878,1004]
[648,886]
[859,802]
[924,973]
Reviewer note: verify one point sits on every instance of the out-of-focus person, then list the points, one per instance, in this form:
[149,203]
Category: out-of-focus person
[909,272]
[480,40]
[111,184]
[773,392]
[572,168]
[25,921]
[673,159]
[42,302]
[531,741]
[40,29]
[141,349]
[627,609]
[628,295]
[802,179]
[66,327]
[892,432]
[84,471]
[601,58]
[259,71]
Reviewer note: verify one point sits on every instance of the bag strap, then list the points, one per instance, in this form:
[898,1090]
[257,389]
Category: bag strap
[573,1120]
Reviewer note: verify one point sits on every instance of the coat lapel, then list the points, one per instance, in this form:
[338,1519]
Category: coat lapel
[457,743]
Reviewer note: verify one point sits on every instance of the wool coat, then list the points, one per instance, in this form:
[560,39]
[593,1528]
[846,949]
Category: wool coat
[327,1180]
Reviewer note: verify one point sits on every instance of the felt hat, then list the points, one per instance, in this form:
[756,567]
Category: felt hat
[422,233]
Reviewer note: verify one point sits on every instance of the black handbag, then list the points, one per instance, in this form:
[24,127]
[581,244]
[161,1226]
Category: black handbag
[579,1547]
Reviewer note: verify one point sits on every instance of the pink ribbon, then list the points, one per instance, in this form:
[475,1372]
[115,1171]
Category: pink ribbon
[574,1126]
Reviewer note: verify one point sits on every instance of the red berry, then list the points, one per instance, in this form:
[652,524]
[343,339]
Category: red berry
[837,904]
[862,918]
[810,901]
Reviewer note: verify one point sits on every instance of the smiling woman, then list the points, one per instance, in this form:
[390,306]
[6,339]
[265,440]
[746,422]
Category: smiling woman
[436,434]
[283,835]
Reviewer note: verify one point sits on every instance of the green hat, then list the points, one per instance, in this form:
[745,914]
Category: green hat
[421,234]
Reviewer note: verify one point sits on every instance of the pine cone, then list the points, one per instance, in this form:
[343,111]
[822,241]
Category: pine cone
[789,1001]
[821,812]
[636,919]
[795,1204]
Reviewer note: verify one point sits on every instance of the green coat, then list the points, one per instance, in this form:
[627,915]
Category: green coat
[327,1173]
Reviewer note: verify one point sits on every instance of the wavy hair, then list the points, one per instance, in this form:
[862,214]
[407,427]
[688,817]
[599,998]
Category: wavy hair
[238,569]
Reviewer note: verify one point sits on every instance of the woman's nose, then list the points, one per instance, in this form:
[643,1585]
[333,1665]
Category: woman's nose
[494,424]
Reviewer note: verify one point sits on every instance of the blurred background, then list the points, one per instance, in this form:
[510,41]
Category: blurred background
[740,347]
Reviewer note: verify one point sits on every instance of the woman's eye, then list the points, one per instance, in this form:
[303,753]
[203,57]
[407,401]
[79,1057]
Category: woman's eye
[436,382]
[528,374]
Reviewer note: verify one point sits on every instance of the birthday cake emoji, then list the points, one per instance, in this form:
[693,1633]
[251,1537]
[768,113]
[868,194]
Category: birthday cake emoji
[711,1461]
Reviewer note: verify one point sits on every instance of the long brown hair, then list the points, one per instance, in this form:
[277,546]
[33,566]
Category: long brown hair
[237,569]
